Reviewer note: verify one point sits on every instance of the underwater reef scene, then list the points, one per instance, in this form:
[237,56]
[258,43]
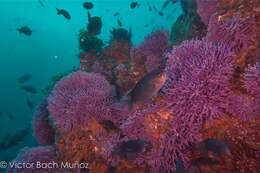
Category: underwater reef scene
[185,100]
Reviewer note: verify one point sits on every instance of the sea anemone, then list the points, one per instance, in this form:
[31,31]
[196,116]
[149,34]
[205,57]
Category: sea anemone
[79,97]
[198,80]
[252,80]
[33,157]
[43,130]
[235,33]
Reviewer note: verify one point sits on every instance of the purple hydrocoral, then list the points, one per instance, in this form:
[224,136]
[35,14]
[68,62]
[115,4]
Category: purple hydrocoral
[206,8]
[30,156]
[198,80]
[152,48]
[79,97]
[252,80]
[43,130]
[235,33]
[244,107]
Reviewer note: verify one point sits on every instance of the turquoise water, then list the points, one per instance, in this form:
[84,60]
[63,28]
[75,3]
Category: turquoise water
[53,47]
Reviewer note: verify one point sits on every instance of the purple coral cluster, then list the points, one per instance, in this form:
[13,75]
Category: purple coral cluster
[198,80]
[31,156]
[152,48]
[43,130]
[235,33]
[79,97]
[252,80]
[244,107]
[206,8]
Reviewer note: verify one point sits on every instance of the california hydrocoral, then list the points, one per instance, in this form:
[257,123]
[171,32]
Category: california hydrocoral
[235,33]
[36,156]
[79,97]
[252,80]
[42,128]
[206,8]
[152,48]
[198,80]
[243,106]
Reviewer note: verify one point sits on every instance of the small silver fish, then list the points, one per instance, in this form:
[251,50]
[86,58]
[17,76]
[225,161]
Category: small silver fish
[29,103]
[146,88]
[41,3]
[29,89]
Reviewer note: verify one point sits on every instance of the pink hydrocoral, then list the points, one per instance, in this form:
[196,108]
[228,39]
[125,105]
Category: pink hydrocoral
[79,97]
[235,33]
[198,80]
[206,8]
[32,156]
[152,48]
[43,130]
[243,107]
[252,80]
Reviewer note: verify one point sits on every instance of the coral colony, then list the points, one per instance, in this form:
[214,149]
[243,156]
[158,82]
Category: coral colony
[212,91]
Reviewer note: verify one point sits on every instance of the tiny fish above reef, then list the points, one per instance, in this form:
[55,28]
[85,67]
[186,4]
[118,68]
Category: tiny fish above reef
[25,30]
[179,167]
[88,5]
[116,14]
[216,146]
[133,5]
[130,148]
[29,89]
[64,13]
[41,3]
[146,88]
[29,103]
[24,78]
[166,3]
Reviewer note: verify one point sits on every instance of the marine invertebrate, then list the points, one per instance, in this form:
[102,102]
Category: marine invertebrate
[31,156]
[205,8]
[252,80]
[89,42]
[152,48]
[79,97]
[42,128]
[235,33]
[198,80]
[244,107]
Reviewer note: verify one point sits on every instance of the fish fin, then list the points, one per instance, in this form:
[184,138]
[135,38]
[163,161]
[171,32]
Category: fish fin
[58,11]
[89,17]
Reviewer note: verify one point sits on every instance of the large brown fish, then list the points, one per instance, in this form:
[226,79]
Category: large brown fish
[147,87]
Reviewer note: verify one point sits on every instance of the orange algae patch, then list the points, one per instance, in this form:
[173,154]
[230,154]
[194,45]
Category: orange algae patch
[243,139]
[81,146]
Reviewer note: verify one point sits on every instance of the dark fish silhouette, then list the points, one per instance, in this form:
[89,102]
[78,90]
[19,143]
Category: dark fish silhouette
[111,170]
[24,78]
[10,116]
[133,5]
[29,103]
[88,5]
[146,88]
[64,13]
[119,22]
[149,7]
[117,14]
[29,89]
[94,25]
[25,30]
[166,3]
[130,148]
[41,3]
[216,146]
[160,13]
[179,167]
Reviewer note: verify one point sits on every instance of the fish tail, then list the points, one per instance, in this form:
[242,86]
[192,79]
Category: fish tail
[58,11]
